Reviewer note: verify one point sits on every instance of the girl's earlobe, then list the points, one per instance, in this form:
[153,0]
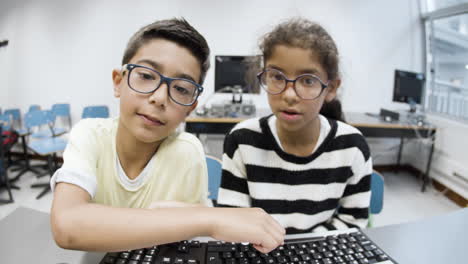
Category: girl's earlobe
[332,89]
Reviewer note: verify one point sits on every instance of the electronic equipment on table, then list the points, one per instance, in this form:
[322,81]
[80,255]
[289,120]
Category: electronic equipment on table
[349,246]
[408,88]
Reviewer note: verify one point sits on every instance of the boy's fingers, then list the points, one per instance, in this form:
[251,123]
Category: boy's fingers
[262,248]
[277,226]
[276,230]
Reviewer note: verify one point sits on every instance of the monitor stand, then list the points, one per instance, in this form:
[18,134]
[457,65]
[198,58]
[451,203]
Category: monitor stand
[237,95]
[413,106]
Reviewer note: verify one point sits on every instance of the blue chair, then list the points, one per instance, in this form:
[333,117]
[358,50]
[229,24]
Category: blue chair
[47,147]
[34,108]
[6,121]
[214,177]
[97,111]
[62,111]
[51,130]
[377,194]
[15,114]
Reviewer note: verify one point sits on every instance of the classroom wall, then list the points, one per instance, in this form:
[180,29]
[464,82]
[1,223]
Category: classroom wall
[64,51]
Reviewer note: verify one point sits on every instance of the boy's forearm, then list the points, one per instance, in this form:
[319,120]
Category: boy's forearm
[93,227]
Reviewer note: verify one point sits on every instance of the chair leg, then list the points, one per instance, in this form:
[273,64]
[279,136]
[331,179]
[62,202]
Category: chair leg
[8,186]
[27,166]
[46,186]
[46,189]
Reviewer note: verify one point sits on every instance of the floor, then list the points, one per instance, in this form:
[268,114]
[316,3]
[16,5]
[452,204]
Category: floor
[403,202]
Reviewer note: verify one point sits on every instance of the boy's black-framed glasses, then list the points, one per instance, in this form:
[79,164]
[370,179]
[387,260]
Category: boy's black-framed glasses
[146,80]
[307,86]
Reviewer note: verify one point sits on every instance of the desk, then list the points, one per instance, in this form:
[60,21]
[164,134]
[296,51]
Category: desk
[26,238]
[368,125]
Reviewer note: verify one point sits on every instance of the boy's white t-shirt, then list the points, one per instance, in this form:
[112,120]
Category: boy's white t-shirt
[177,172]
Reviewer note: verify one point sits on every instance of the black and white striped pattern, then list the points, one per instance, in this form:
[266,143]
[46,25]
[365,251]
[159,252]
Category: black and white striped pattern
[330,189]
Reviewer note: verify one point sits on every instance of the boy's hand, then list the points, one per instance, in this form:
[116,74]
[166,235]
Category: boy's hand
[251,225]
[172,204]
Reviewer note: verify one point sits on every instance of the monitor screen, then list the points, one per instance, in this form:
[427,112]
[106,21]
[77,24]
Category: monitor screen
[236,71]
[408,87]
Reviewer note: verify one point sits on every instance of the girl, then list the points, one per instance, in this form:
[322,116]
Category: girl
[310,172]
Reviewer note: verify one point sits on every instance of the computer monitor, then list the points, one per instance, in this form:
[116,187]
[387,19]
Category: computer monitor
[408,88]
[233,72]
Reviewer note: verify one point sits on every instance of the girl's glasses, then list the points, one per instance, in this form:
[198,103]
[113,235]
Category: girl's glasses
[307,86]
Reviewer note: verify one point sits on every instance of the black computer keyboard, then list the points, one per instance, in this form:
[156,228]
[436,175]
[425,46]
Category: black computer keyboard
[348,247]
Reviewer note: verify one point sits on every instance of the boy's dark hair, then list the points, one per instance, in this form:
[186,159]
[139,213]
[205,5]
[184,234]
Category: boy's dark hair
[176,30]
[302,33]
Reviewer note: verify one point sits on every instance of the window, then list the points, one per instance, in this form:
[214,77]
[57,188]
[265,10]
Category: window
[447,59]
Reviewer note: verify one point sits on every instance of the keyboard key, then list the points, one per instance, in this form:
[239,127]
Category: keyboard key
[183,248]
[257,260]
[364,261]
[295,259]
[230,261]
[109,260]
[382,257]
[222,248]
[121,261]
[252,254]
[282,259]
[244,261]
[178,261]
[239,255]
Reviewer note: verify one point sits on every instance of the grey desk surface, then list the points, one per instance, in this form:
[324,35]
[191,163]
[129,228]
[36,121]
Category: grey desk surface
[25,237]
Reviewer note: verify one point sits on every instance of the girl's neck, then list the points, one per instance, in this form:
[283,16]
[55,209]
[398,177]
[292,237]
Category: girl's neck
[301,142]
[133,154]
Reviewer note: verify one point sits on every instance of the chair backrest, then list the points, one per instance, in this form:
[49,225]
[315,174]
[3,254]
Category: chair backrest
[214,176]
[34,108]
[377,192]
[6,121]
[96,111]
[38,118]
[15,114]
[62,110]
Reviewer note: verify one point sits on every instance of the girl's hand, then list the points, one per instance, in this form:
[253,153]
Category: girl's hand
[251,225]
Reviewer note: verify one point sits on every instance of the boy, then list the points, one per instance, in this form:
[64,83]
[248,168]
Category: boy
[114,170]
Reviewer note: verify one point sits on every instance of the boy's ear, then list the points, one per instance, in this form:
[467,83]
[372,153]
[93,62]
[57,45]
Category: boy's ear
[117,78]
[332,89]
[192,107]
